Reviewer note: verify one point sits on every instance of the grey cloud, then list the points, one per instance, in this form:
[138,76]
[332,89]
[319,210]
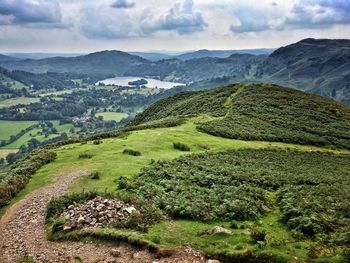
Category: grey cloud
[304,14]
[181,18]
[29,12]
[99,23]
[123,4]
[321,13]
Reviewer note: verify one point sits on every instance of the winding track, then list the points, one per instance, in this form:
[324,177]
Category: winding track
[22,234]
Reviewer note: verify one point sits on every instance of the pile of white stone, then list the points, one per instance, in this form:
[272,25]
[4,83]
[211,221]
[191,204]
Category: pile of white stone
[98,212]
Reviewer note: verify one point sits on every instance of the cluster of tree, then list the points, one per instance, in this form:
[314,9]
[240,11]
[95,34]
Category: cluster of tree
[12,93]
[138,82]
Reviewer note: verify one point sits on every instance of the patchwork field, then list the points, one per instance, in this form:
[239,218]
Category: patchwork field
[8,128]
[35,133]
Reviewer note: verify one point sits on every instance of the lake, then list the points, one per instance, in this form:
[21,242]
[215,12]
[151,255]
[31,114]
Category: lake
[152,83]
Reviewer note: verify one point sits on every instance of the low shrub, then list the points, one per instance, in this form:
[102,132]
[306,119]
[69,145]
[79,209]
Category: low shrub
[95,175]
[257,234]
[97,142]
[181,146]
[85,155]
[132,152]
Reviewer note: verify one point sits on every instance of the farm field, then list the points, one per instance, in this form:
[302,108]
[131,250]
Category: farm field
[8,128]
[40,137]
[15,101]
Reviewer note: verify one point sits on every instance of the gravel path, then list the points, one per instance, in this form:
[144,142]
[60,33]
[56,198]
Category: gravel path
[22,233]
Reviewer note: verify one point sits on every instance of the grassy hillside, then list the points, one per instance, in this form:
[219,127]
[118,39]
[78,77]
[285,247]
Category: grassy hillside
[262,112]
[211,102]
[280,201]
[157,144]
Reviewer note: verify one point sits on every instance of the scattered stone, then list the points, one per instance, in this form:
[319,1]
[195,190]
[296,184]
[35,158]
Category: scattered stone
[97,212]
[213,261]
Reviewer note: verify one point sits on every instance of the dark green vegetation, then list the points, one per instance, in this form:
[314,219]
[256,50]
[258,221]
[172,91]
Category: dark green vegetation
[181,146]
[188,104]
[132,152]
[139,82]
[261,112]
[312,195]
[21,173]
[269,113]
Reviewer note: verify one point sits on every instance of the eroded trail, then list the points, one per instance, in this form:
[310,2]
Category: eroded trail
[22,234]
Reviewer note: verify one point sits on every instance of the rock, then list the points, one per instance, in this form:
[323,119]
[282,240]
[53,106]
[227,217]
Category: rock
[213,261]
[115,253]
[219,230]
[81,220]
[130,209]
[97,212]
[100,207]
[67,227]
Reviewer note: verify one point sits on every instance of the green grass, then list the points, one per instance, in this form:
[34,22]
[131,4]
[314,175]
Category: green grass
[112,116]
[15,101]
[8,128]
[108,159]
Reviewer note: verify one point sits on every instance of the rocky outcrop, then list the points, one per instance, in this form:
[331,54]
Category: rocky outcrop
[98,212]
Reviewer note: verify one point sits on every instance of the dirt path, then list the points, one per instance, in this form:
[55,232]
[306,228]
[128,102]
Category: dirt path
[22,233]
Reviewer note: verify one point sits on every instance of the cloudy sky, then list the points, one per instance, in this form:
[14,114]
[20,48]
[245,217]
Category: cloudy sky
[143,25]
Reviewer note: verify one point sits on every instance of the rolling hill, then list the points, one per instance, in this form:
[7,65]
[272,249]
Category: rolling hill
[205,53]
[271,185]
[319,66]
[105,62]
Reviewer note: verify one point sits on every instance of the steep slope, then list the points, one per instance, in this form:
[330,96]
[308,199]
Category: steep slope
[262,112]
[321,66]
[104,62]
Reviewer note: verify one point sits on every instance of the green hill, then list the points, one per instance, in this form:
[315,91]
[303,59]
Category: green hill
[281,194]
[261,112]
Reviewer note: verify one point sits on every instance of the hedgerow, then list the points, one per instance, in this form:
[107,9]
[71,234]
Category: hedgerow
[21,173]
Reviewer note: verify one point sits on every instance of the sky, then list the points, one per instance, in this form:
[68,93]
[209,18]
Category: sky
[155,25]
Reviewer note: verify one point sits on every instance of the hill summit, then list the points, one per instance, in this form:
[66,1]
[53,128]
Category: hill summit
[260,112]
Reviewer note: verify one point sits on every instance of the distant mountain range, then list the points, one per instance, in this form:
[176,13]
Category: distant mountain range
[41,55]
[319,66]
